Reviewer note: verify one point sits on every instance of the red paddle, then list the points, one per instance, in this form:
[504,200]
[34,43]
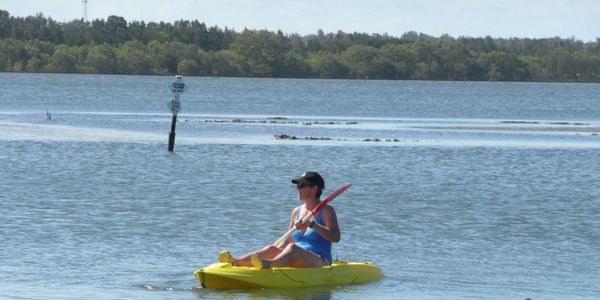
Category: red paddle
[313,213]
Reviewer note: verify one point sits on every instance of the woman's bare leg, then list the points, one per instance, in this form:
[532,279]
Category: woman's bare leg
[294,256]
[267,252]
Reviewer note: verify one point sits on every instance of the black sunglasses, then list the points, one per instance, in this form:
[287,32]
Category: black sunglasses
[301,185]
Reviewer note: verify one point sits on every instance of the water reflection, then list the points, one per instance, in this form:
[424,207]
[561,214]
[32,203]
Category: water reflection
[311,293]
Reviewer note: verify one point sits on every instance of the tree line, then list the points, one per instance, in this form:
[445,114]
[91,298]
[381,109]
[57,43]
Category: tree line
[115,46]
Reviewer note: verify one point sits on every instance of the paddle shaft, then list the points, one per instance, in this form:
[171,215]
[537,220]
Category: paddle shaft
[312,213]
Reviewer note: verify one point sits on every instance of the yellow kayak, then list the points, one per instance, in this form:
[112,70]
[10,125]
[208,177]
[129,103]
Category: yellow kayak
[226,276]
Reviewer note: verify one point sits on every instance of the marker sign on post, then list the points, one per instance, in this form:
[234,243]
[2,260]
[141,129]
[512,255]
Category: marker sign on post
[177,88]
[175,106]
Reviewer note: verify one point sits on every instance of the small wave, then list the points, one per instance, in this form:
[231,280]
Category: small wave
[64,133]
[156,288]
[45,132]
[561,128]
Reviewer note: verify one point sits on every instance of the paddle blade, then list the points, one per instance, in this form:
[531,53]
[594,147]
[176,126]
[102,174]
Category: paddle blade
[330,197]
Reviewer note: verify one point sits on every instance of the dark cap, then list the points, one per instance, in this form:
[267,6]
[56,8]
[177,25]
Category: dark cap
[312,178]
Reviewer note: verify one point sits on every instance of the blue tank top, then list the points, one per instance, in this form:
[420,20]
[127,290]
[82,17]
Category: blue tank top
[312,240]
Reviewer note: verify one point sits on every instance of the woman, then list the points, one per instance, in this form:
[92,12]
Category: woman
[310,245]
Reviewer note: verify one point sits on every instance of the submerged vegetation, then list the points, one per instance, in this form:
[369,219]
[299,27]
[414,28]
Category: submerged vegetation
[115,46]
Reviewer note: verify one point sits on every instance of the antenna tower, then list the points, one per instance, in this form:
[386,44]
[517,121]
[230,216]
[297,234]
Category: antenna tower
[85,19]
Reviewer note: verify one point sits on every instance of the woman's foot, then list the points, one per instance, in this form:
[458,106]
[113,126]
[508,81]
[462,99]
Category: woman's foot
[225,257]
[256,261]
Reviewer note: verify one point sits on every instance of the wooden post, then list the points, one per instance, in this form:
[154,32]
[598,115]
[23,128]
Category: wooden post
[172,133]
[177,88]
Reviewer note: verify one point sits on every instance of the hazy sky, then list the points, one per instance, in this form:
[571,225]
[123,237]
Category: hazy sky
[476,18]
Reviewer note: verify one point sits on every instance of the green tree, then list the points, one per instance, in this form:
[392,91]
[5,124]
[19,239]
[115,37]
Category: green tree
[101,59]
[224,63]
[454,59]
[38,55]
[259,53]
[427,70]
[187,67]
[586,66]
[294,65]
[4,63]
[325,64]
[502,66]
[359,59]
[402,58]
[166,56]
[133,59]
[365,62]
[36,43]
[5,24]
[76,32]
[63,60]
[10,50]
[535,67]
[37,63]
[558,63]
[217,39]
[204,59]
[115,30]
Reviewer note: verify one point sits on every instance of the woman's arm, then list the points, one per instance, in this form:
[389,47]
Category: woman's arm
[290,239]
[330,229]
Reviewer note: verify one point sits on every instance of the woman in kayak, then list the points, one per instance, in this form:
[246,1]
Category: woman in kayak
[310,245]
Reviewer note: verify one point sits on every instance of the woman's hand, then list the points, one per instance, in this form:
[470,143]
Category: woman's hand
[303,226]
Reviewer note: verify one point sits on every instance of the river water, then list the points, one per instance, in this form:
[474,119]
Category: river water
[461,190]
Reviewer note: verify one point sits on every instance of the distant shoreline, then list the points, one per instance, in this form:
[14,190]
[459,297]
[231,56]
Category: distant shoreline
[37,44]
[307,78]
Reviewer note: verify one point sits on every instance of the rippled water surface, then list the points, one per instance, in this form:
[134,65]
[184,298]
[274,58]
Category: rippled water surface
[460,190]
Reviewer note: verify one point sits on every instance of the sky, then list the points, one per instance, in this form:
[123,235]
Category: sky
[472,18]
